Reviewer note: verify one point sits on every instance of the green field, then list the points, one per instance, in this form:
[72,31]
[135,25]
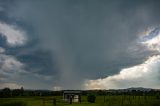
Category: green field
[100,101]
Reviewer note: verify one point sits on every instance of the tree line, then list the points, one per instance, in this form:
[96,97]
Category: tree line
[7,92]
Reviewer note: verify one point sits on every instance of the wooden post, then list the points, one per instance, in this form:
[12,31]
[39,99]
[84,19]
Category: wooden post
[54,101]
[43,102]
[80,99]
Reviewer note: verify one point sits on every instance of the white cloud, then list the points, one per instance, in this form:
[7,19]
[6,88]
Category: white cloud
[10,63]
[10,67]
[56,88]
[10,85]
[14,35]
[12,70]
[145,75]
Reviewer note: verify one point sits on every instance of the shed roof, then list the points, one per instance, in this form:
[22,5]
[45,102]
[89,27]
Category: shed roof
[72,91]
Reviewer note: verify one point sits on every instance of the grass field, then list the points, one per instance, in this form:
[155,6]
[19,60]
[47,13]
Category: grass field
[100,101]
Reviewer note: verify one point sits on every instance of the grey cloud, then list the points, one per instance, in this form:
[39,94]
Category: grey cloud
[90,39]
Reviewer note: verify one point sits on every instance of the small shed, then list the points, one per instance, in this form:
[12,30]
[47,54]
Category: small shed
[72,96]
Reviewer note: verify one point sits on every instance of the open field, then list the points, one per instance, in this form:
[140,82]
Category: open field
[100,101]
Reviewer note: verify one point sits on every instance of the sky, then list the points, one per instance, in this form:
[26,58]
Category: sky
[79,44]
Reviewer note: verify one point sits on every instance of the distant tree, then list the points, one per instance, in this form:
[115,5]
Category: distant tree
[6,92]
[21,91]
[18,92]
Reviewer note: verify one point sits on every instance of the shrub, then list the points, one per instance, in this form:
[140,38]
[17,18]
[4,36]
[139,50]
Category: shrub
[91,98]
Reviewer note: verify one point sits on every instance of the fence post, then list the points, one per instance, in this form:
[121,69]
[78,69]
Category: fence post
[54,101]
[80,99]
[43,102]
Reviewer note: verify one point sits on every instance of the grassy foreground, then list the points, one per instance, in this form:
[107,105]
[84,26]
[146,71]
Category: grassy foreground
[100,101]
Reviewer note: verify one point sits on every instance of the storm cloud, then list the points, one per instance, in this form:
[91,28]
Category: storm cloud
[144,75]
[72,41]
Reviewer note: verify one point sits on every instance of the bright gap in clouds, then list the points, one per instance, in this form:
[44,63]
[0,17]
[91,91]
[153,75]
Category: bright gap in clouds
[14,36]
[142,75]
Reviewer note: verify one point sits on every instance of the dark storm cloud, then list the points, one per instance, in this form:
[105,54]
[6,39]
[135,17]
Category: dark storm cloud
[87,39]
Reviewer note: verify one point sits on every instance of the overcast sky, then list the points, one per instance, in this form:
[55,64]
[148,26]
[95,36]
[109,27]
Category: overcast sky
[79,44]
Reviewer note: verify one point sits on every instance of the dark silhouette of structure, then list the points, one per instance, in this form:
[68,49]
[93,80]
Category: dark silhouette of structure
[72,96]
